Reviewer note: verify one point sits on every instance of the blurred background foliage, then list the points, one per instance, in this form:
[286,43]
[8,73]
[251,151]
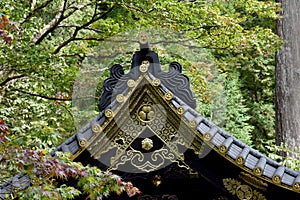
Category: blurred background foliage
[55,54]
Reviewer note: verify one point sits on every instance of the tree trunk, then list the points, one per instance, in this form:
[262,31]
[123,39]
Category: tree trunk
[287,103]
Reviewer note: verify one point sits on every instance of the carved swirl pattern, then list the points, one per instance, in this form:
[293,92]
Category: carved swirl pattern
[178,83]
[116,73]
[146,162]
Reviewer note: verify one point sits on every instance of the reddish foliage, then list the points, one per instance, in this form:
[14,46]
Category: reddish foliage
[3,133]
[3,127]
[7,27]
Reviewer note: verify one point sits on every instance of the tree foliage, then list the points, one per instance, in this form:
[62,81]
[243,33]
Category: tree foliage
[46,174]
[45,42]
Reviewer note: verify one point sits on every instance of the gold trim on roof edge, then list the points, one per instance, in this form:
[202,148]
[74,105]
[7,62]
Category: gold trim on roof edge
[204,138]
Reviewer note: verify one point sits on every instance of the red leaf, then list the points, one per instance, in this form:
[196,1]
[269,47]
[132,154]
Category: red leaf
[4,19]
[3,127]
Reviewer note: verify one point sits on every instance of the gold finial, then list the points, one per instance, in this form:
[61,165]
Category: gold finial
[144,66]
[143,38]
[144,41]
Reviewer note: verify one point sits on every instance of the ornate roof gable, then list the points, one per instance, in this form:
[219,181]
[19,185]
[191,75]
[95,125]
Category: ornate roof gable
[148,121]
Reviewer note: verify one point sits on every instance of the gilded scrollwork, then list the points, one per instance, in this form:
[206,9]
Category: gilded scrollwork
[145,162]
[252,180]
[242,191]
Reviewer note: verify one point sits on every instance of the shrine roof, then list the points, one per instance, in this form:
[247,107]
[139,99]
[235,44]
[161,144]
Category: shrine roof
[173,87]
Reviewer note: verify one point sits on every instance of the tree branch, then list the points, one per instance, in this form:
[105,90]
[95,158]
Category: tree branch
[59,17]
[52,24]
[53,98]
[78,28]
[35,9]
[42,96]
[10,79]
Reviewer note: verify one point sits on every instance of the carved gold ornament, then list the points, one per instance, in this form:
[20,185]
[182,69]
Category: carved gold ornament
[253,181]
[244,192]
[156,180]
[146,112]
[147,144]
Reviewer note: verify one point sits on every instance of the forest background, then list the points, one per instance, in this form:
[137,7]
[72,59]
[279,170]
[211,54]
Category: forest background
[44,47]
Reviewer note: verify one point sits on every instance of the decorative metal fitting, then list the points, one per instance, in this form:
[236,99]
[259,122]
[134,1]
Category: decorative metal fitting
[276,179]
[193,123]
[109,113]
[240,160]
[257,171]
[96,128]
[168,96]
[223,149]
[156,82]
[120,98]
[82,142]
[147,144]
[244,192]
[146,112]
[296,186]
[180,110]
[156,180]
[206,136]
[144,66]
[131,83]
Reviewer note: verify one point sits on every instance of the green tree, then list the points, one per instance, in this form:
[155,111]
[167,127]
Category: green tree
[45,42]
